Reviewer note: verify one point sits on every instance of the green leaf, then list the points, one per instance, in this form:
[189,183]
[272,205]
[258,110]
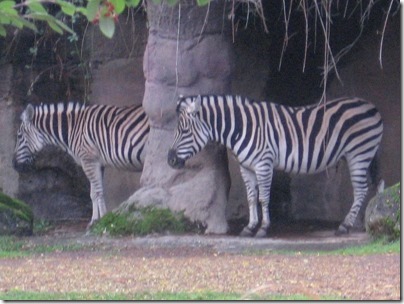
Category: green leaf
[119,6]
[55,27]
[67,7]
[63,26]
[6,5]
[202,2]
[82,10]
[36,7]
[107,26]
[132,3]
[55,24]
[20,22]
[3,31]
[92,9]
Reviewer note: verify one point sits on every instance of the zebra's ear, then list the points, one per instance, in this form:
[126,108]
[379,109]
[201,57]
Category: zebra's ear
[28,114]
[195,105]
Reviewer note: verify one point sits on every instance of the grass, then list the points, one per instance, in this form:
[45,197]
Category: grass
[146,296]
[13,247]
[20,247]
[377,246]
[142,221]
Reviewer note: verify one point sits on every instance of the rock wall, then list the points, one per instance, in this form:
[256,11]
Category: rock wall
[56,189]
[330,196]
[8,177]
[180,58]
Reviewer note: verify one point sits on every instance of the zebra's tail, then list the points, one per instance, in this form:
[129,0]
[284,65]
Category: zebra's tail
[374,172]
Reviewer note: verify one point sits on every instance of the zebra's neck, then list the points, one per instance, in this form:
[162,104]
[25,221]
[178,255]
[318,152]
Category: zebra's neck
[54,122]
[224,118]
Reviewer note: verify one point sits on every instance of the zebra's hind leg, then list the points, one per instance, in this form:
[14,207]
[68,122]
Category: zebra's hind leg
[360,186]
[250,182]
[94,174]
[264,177]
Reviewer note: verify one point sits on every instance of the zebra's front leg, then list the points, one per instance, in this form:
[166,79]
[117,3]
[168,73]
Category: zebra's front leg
[264,177]
[93,171]
[250,182]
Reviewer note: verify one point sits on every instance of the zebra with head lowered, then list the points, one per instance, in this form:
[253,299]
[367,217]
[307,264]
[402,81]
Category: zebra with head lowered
[95,136]
[265,136]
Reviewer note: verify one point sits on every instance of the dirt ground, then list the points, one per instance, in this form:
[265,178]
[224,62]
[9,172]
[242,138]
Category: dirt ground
[194,263]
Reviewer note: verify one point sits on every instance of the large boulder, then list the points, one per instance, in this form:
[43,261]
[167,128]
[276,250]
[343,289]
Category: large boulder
[383,214]
[181,57]
[16,217]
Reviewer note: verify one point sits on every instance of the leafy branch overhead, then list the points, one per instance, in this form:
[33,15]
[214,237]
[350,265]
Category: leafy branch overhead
[25,13]
[102,12]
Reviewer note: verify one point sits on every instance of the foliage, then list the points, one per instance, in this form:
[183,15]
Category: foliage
[377,246]
[102,12]
[22,210]
[389,226]
[147,296]
[142,221]
[13,247]
[41,226]
[23,14]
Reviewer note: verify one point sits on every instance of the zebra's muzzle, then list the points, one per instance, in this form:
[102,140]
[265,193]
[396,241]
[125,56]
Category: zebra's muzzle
[174,161]
[22,167]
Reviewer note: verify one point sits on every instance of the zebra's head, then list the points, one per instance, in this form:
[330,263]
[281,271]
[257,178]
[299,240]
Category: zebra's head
[29,141]
[192,133]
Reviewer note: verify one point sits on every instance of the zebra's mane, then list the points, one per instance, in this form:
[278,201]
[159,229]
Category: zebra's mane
[60,107]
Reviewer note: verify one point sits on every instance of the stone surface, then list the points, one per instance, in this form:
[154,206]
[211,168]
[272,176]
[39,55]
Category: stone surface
[329,196]
[383,214]
[184,61]
[56,187]
[8,176]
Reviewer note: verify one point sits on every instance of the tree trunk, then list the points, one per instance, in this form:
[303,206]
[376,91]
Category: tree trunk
[188,52]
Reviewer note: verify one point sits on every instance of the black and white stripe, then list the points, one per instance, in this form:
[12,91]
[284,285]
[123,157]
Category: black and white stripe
[265,136]
[95,136]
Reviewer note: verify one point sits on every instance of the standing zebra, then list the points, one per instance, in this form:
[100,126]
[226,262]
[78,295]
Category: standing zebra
[265,136]
[95,136]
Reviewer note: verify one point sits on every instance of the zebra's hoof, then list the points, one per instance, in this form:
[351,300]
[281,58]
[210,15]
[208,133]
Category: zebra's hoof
[342,230]
[261,233]
[91,224]
[246,232]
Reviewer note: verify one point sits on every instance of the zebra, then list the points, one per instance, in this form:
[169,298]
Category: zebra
[264,136]
[94,135]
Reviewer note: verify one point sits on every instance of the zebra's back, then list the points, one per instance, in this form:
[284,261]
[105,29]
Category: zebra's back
[117,135]
[313,138]
[296,139]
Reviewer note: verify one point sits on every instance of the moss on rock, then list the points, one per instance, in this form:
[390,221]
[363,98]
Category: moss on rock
[16,217]
[383,214]
[143,221]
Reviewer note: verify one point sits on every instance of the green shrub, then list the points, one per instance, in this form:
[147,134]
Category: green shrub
[16,217]
[142,221]
[20,209]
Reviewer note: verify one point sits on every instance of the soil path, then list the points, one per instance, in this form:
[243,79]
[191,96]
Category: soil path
[204,263]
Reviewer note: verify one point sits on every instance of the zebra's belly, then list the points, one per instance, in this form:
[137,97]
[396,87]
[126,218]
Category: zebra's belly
[126,166]
[304,167]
